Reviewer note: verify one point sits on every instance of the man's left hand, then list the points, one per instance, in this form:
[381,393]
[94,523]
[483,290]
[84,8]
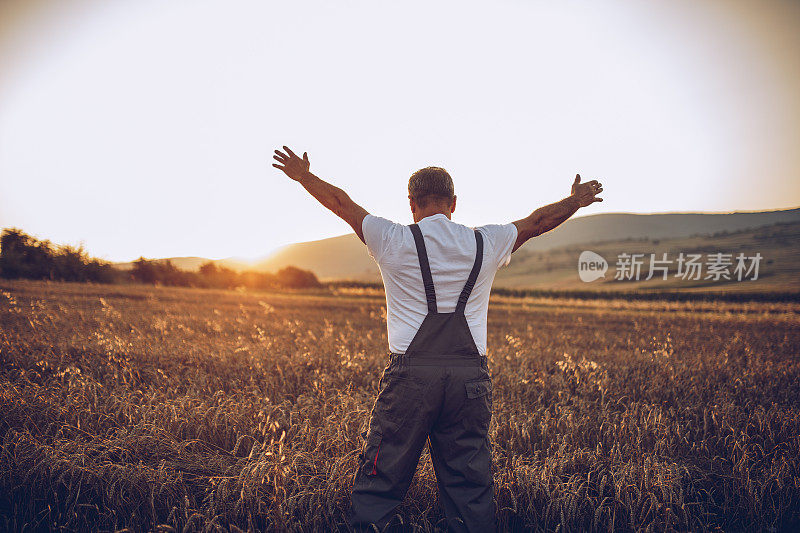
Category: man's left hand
[586,193]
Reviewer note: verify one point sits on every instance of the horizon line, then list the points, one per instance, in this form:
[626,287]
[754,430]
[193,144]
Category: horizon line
[252,259]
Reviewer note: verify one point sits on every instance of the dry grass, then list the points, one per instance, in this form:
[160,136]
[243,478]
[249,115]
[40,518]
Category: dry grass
[176,409]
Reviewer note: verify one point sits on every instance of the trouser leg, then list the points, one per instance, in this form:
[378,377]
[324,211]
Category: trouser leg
[461,454]
[397,432]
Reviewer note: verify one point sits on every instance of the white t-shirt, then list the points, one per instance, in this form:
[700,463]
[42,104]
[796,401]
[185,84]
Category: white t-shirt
[451,252]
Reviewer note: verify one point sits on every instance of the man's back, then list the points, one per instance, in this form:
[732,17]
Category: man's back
[439,389]
[451,253]
[437,386]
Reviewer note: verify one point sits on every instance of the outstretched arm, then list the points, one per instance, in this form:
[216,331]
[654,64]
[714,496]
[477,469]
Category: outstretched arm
[548,217]
[328,195]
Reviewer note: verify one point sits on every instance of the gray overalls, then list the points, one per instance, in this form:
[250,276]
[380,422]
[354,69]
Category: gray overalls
[440,390]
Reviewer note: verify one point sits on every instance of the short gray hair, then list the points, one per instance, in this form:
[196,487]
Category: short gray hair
[431,184]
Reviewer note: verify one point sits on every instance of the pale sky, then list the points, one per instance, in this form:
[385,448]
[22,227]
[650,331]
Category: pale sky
[145,127]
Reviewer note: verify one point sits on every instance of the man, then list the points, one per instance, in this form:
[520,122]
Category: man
[437,386]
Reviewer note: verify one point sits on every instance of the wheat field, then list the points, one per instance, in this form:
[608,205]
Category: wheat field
[138,408]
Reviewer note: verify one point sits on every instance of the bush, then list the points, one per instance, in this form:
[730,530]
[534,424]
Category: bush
[296,278]
[23,256]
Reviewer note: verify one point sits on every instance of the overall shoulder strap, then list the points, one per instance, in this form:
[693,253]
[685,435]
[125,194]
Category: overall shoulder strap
[425,267]
[473,275]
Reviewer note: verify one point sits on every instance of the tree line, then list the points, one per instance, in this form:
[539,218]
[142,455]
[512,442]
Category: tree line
[24,256]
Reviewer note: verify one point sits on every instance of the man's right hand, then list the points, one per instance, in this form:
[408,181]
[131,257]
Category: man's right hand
[328,195]
[292,165]
[586,193]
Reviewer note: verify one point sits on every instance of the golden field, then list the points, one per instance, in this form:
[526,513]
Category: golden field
[196,410]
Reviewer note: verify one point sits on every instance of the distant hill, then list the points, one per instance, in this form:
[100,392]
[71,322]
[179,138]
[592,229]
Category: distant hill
[345,257]
[557,269]
[620,226]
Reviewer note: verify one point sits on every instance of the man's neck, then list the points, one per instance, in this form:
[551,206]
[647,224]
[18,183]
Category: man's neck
[423,213]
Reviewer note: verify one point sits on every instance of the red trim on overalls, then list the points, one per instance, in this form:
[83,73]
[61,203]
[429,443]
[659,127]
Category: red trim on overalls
[375,462]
